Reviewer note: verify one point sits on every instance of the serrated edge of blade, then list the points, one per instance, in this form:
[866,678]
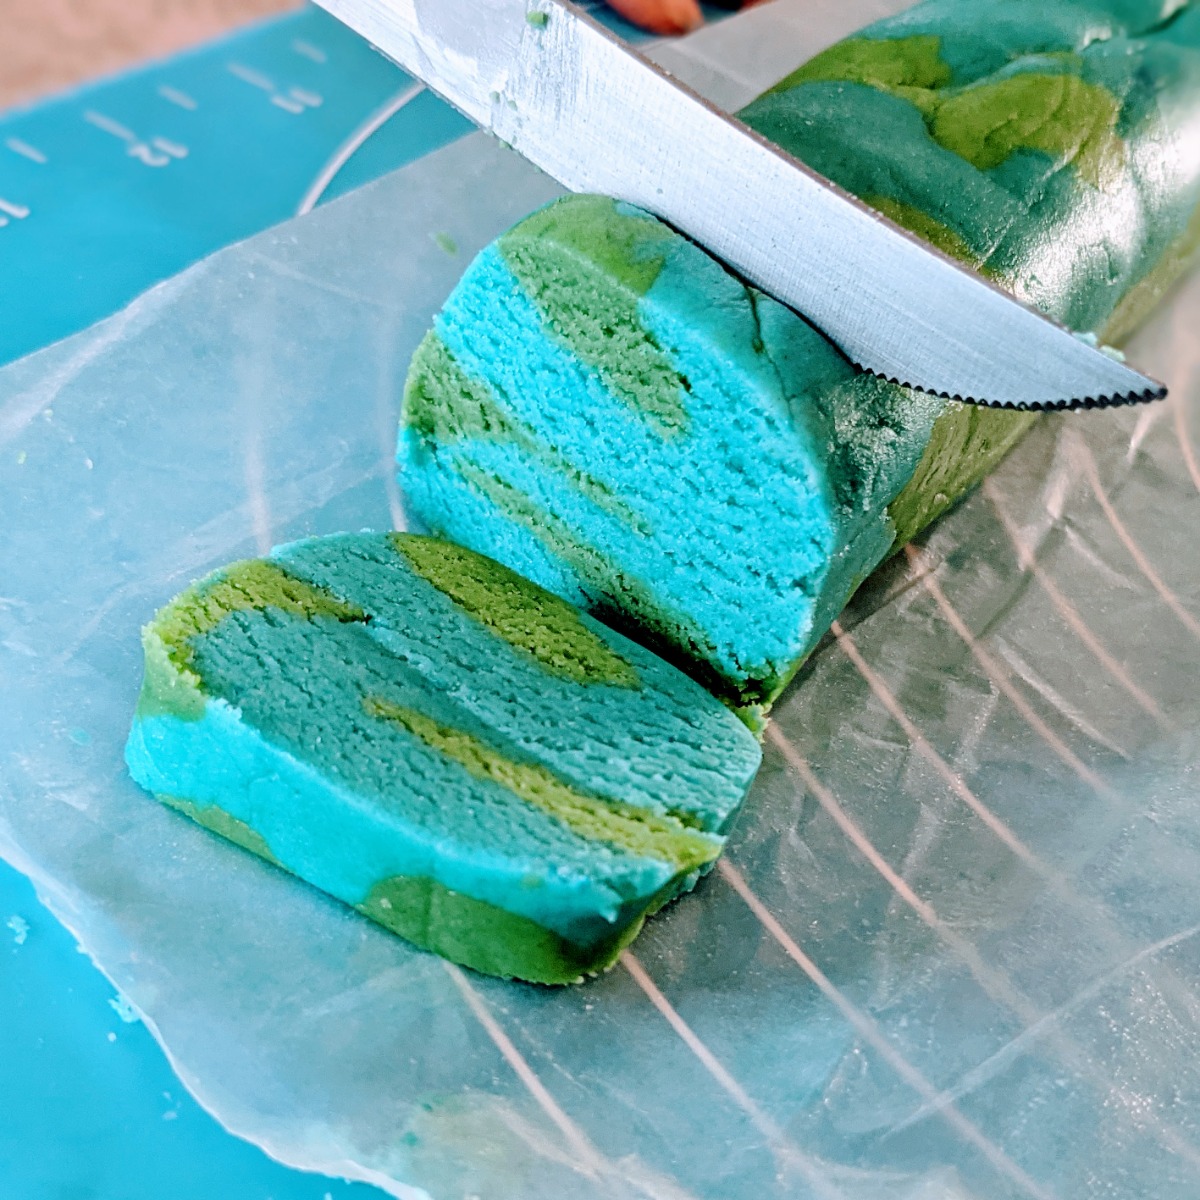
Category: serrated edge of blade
[1145,396]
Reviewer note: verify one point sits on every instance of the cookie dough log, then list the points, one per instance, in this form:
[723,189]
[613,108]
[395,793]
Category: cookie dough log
[603,407]
[445,746]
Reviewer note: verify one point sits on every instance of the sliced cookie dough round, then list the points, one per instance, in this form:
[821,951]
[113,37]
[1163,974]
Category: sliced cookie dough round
[454,751]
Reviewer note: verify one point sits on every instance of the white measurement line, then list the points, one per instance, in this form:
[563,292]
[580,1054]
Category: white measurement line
[174,149]
[100,121]
[25,150]
[297,100]
[347,149]
[17,211]
[178,98]
[308,50]
[251,76]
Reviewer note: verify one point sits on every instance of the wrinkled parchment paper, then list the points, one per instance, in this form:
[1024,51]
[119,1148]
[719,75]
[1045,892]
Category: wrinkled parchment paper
[955,949]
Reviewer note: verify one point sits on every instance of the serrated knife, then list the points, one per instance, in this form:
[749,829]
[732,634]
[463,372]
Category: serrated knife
[590,111]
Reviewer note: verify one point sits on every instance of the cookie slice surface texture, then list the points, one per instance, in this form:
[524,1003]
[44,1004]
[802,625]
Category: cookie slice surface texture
[606,409]
[450,749]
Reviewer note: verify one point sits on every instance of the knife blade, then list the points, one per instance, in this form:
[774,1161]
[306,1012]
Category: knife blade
[597,116]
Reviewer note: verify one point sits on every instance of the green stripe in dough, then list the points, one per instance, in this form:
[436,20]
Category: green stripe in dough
[631,247]
[1054,112]
[527,617]
[967,442]
[638,612]
[927,228]
[444,404]
[170,686]
[587,288]
[899,65]
[623,826]
[1062,116]
[216,819]
[1057,114]
[485,937]
[253,585]
[458,927]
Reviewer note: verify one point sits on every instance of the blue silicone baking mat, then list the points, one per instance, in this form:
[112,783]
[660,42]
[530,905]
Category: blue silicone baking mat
[89,1107]
[113,187]
[110,188]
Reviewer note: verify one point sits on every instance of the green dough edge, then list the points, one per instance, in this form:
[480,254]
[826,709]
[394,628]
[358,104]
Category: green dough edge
[457,927]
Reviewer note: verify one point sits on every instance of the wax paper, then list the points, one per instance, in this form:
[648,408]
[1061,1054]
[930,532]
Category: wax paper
[954,950]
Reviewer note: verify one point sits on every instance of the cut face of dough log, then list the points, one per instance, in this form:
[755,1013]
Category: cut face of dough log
[603,407]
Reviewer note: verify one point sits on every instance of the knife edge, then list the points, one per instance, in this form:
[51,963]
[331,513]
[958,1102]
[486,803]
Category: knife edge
[573,98]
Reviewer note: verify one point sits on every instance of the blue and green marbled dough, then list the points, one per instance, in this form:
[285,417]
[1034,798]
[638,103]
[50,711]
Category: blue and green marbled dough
[447,747]
[603,407]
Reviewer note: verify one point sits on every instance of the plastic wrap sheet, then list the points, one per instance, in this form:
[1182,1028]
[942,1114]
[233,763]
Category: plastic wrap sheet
[955,948]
